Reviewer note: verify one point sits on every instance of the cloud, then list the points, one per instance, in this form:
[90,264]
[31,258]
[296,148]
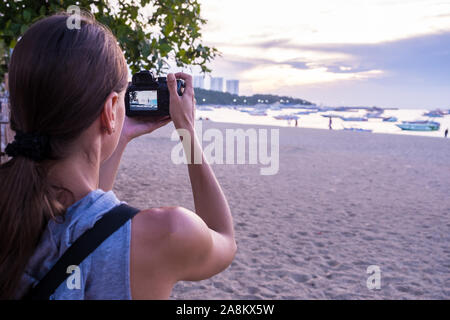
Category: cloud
[422,58]
[239,65]
[271,43]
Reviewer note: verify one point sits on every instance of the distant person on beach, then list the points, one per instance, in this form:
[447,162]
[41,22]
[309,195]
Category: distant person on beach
[67,89]
[446,133]
[330,123]
[296,122]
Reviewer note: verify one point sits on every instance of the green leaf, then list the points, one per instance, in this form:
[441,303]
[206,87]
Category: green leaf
[169,26]
[164,48]
[23,28]
[27,15]
[145,50]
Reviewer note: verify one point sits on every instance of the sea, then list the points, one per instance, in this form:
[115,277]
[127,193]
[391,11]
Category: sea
[319,118]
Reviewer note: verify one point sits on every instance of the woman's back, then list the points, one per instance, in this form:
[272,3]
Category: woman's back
[104,274]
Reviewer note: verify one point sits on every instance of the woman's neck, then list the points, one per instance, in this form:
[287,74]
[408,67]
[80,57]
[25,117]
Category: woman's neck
[79,174]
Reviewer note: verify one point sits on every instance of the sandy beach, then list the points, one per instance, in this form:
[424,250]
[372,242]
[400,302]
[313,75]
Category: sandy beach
[341,201]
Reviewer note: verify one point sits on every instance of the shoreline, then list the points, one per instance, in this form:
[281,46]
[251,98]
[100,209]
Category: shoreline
[322,129]
[320,120]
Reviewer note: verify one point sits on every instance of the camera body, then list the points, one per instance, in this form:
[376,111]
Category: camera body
[146,96]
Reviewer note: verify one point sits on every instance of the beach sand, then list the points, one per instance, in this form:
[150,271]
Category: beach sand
[341,201]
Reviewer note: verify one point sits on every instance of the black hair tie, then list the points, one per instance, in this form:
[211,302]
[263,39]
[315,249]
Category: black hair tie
[30,145]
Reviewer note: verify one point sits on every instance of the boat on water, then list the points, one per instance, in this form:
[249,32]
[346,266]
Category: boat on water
[286,117]
[353,118]
[345,109]
[390,119]
[330,115]
[205,109]
[434,114]
[419,125]
[374,115]
[358,129]
[258,112]
[303,113]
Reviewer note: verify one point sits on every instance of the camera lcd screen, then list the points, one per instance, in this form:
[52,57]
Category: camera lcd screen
[143,100]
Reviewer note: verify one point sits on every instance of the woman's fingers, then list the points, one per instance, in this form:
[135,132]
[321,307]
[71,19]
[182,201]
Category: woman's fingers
[189,87]
[187,79]
[172,86]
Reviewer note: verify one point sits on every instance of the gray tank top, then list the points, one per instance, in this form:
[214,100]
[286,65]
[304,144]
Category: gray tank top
[104,274]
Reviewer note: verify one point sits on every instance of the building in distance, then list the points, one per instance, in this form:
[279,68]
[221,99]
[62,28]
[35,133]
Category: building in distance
[199,82]
[216,84]
[233,86]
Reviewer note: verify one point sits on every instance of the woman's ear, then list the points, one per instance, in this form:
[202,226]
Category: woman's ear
[109,113]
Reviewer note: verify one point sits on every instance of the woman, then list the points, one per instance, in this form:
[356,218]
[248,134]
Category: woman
[67,92]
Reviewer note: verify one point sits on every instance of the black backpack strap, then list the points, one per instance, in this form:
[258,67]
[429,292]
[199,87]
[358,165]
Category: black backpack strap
[80,249]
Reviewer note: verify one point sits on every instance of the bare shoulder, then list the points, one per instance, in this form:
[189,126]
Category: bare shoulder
[172,244]
[165,242]
[151,224]
[168,224]
[152,251]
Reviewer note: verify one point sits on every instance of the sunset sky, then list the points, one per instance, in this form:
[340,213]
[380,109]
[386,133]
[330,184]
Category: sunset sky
[392,53]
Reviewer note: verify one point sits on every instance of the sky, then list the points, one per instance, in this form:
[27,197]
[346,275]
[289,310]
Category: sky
[388,53]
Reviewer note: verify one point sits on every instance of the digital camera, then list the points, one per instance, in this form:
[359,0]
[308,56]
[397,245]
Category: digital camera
[146,96]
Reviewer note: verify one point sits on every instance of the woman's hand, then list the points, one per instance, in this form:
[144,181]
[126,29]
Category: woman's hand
[138,126]
[132,128]
[182,109]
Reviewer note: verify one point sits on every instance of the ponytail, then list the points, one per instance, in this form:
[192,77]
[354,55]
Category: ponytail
[27,203]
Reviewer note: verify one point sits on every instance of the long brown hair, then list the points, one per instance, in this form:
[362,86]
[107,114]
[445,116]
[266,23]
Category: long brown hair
[59,79]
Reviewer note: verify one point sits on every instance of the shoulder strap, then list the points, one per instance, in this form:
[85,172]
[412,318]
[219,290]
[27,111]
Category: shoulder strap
[80,249]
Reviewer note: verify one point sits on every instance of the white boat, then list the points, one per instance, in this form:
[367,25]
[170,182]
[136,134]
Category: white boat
[353,118]
[374,115]
[286,117]
[258,112]
[358,129]
[434,114]
[205,108]
[419,125]
[390,119]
